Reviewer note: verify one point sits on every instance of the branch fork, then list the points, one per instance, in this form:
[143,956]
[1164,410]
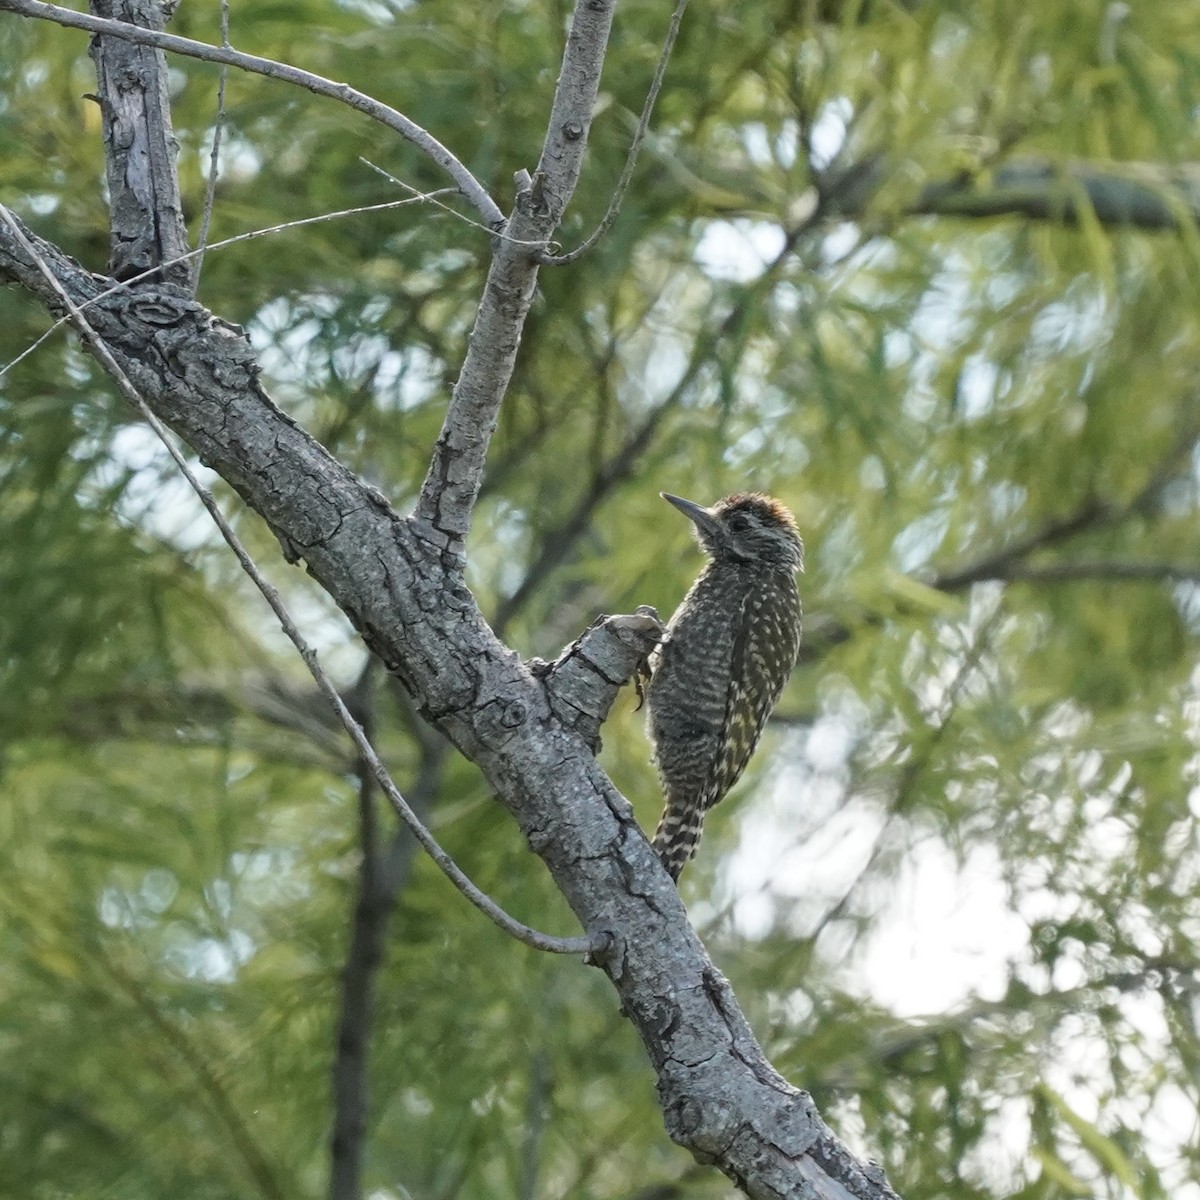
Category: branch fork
[583,682]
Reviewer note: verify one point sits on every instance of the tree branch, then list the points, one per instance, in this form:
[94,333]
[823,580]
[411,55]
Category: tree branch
[1093,513]
[158,310]
[1141,195]
[1090,514]
[635,146]
[1147,196]
[1097,571]
[468,185]
[720,1096]
[452,483]
[214,155]
[146,227]
[368,933]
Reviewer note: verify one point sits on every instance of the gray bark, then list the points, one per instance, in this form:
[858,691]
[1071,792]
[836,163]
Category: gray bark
[405,594]
[145,213]
[531,728]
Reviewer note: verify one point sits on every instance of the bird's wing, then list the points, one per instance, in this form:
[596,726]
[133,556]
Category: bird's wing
[764,652]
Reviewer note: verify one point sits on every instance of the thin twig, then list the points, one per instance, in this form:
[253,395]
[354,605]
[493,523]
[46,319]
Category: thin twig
[126,284]
[614,205]
[511,926]
[214,158]
[408,129]
[414,192]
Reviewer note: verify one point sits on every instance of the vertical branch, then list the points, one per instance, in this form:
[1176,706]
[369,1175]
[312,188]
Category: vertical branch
[456,470]
[383,872]
[537,1111]
[363,959]
[145,211]
[214,157]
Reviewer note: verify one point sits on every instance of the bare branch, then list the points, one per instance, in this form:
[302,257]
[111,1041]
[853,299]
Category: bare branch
[452,483]
[614,205]
[468,185]
[214,157]
[146,227]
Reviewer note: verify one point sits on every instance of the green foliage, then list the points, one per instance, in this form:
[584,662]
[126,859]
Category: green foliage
[978,423]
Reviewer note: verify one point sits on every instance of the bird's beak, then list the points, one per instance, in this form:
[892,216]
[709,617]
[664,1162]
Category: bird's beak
[696,513]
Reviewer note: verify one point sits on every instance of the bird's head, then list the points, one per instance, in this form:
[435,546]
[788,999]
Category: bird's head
[746,527]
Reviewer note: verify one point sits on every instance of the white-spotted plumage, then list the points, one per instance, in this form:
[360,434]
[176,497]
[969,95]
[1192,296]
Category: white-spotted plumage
[729,649]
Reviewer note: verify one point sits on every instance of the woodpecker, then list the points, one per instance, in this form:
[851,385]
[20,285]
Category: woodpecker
[727,653]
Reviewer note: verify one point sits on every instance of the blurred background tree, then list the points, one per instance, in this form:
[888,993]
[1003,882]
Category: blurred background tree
[930,272]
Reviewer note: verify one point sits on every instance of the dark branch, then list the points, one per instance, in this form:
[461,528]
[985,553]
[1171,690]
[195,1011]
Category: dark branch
[145,212]
[1141,195]
[1098,571]
[1088,516]
[1145,196]
[368,934]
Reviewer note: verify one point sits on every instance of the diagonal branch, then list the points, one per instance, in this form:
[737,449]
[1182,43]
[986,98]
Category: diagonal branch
[1136,195]
[720,1097]
[98,347]
[468,185]
[1093,513]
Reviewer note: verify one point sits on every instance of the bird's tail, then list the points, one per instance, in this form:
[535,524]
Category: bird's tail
[678,835]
